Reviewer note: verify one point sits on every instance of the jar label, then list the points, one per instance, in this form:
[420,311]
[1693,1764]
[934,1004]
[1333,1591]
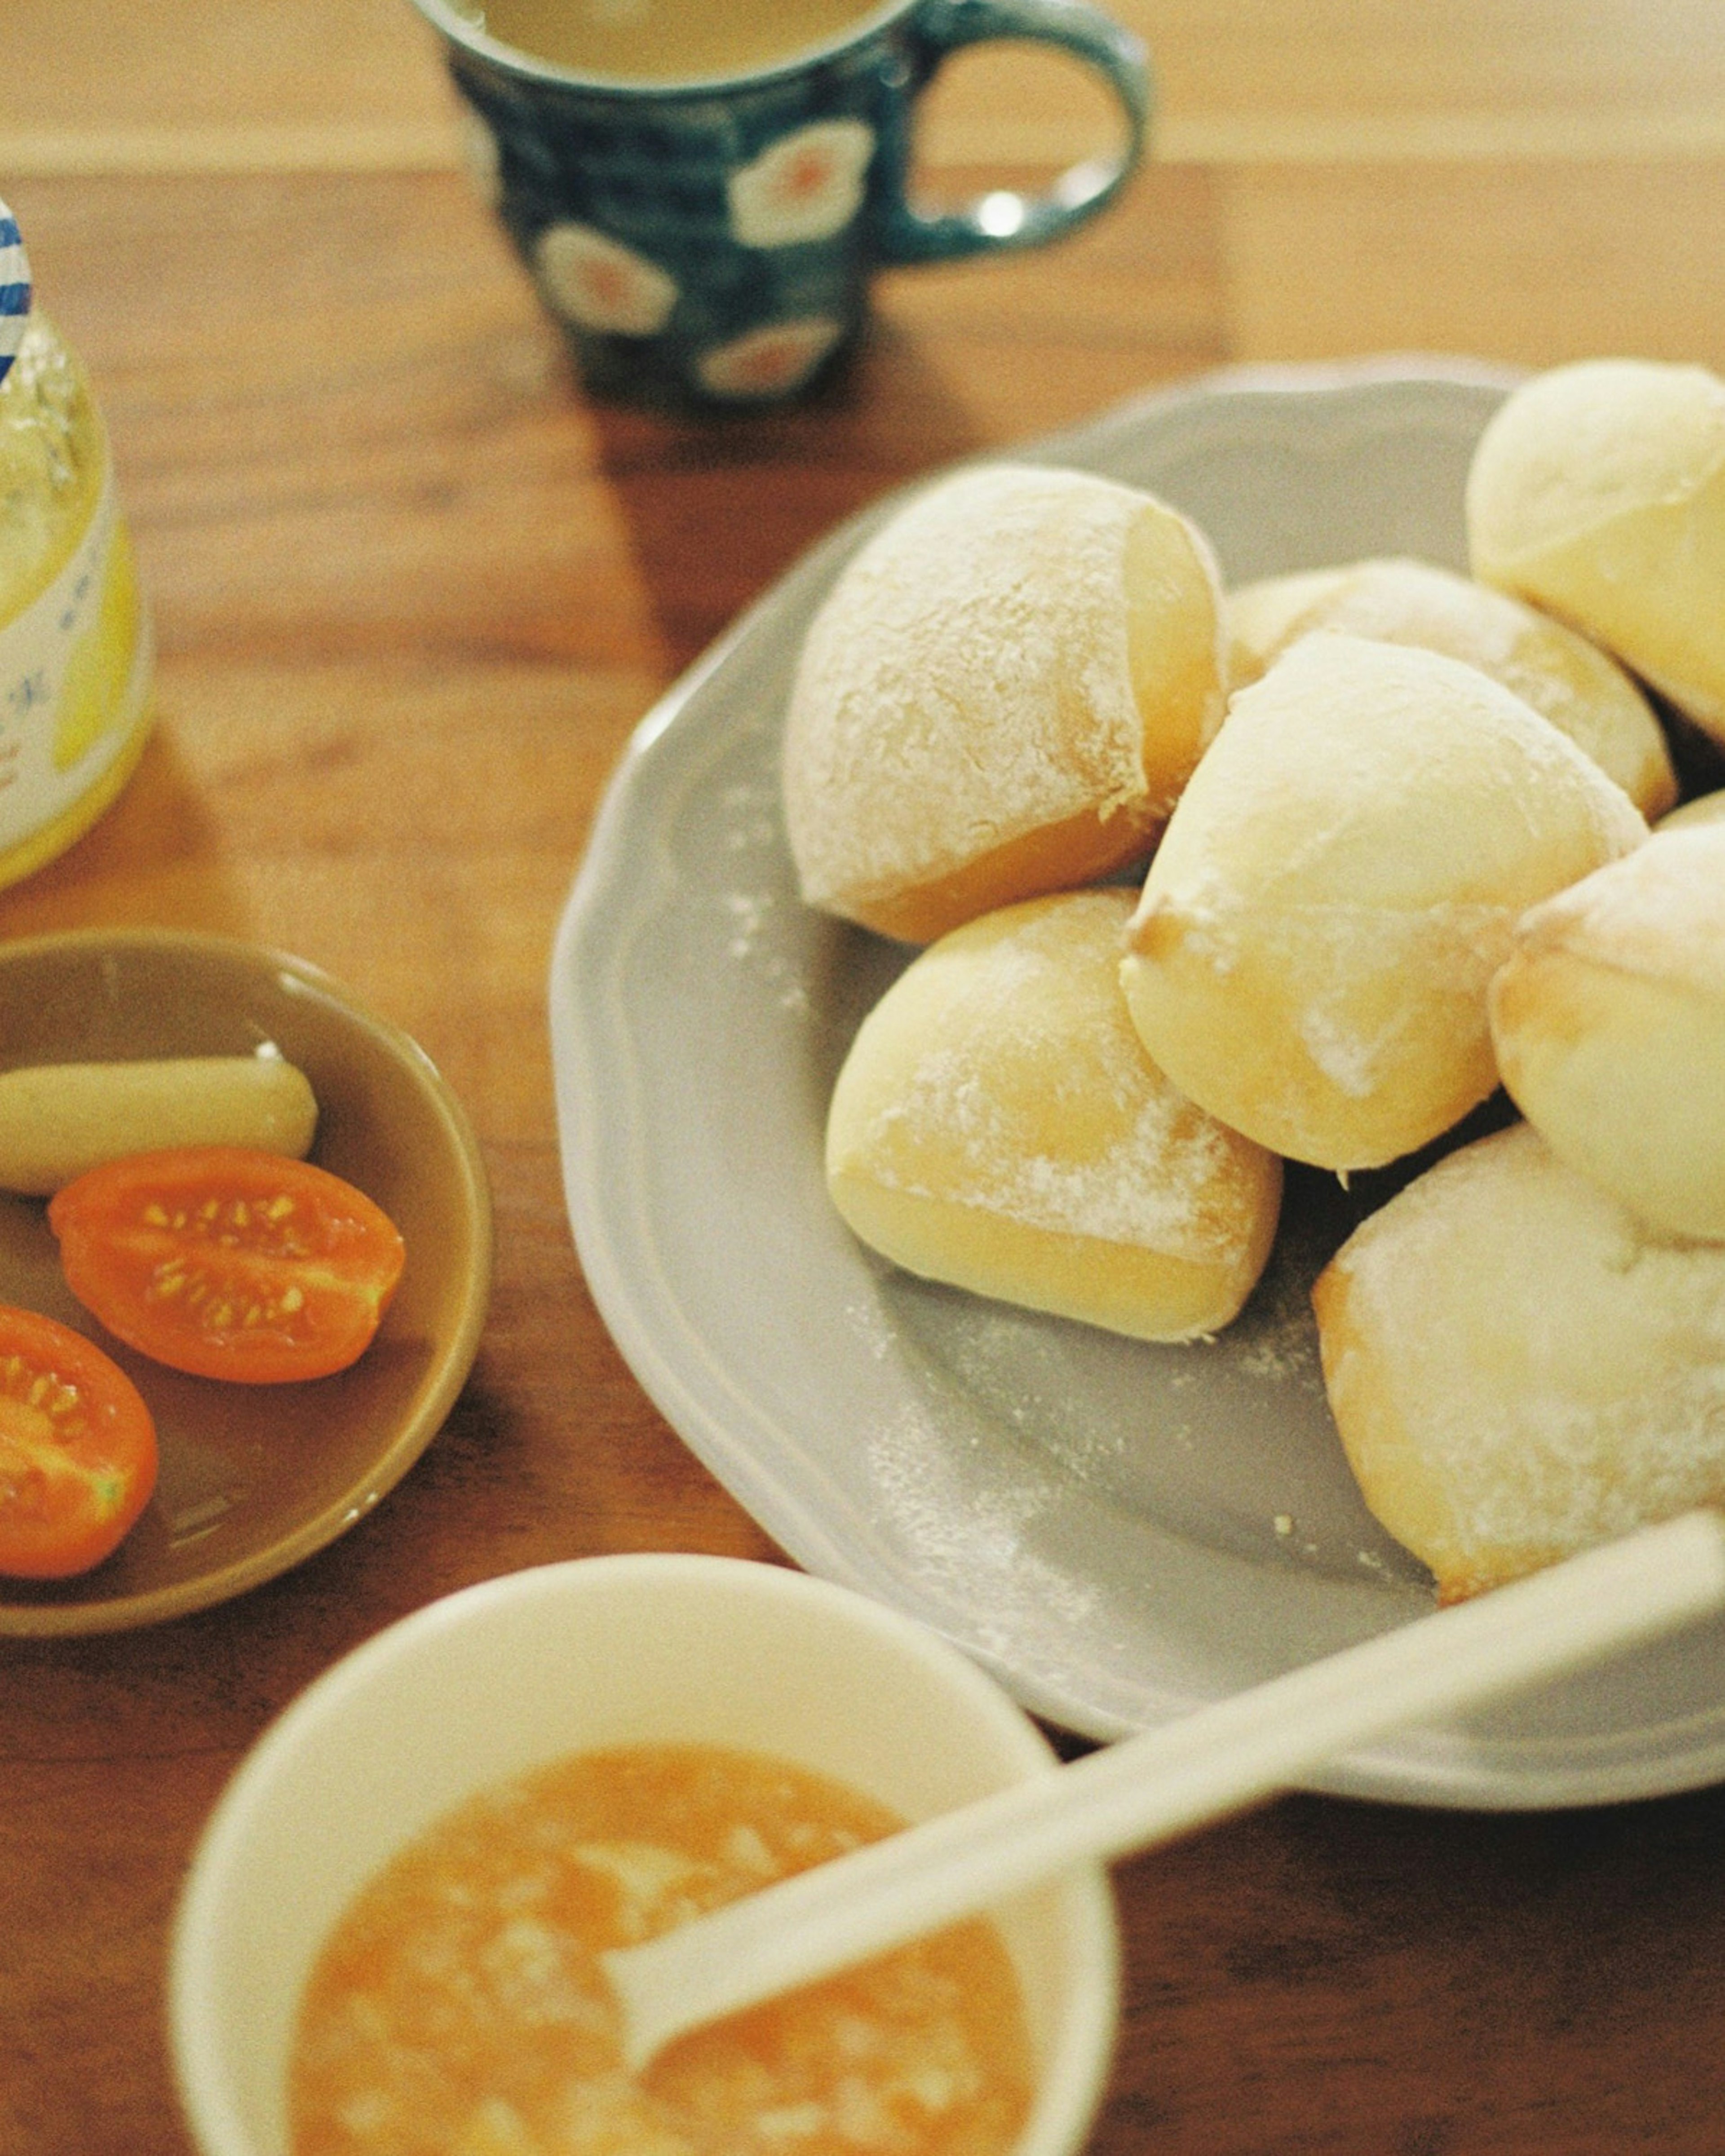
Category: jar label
[74,674]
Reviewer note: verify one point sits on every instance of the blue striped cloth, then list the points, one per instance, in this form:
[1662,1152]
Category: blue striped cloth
[14,289]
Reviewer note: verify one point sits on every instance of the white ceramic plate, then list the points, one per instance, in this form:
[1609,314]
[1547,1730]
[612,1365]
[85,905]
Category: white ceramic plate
[1120,1532]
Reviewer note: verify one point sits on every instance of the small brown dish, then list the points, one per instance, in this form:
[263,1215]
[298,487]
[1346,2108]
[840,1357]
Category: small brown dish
[254,1478]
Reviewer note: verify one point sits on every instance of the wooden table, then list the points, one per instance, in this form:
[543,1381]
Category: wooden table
[413,591]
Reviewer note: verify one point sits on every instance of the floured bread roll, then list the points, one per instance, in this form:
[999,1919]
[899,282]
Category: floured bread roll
[1517,1369]
[1338,884]
[1704,809]
[1608,1021]
[1002,695]
[1597,491]
[1566,679]
[997,1125]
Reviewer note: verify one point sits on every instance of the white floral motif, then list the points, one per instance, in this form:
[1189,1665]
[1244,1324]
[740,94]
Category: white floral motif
[765,362]
[805,186]
[598,283]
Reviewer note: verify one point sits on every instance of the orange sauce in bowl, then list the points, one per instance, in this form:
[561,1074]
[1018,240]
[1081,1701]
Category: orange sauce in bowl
[458,2009]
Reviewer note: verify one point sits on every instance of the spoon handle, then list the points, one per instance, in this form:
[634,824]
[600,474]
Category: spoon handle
[1151,1787]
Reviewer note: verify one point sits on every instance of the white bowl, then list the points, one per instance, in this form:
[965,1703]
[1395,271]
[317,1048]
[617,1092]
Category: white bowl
[519,1671]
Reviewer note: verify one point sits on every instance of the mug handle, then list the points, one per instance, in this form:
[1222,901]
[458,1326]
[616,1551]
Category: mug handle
[1004,219]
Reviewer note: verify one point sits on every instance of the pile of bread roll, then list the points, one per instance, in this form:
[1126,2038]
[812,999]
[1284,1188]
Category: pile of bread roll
[1411,836]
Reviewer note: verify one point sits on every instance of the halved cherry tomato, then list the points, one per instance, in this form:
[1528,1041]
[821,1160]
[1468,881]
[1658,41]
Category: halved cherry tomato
[77,1450]
[230,1263]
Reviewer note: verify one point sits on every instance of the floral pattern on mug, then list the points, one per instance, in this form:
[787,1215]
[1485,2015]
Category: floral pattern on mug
[599,283]
[766,363]
[807,184]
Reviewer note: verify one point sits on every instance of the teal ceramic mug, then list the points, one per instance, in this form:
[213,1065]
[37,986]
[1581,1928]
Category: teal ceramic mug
[709,238]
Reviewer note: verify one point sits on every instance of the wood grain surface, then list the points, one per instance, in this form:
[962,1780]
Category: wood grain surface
[413,589]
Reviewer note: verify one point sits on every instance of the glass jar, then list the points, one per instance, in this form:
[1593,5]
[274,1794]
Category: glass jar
[75,647]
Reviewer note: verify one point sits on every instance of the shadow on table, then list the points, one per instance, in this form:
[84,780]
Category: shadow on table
[720,506]
[156,851]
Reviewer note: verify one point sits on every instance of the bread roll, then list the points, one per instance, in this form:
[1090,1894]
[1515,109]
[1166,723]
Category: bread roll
[1002,695]
[1609,1021]
[1597,491]
[1310,957]
[997,1125]
[1704,809]
[1517,1369]
[1564,677]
